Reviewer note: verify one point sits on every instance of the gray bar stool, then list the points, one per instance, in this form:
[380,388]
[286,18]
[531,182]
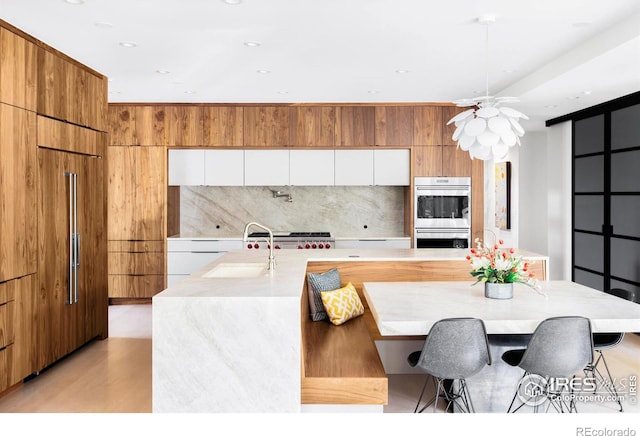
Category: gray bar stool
[559,348]
[455,349]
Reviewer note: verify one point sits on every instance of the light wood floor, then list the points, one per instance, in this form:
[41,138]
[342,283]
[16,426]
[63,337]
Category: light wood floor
[114,375]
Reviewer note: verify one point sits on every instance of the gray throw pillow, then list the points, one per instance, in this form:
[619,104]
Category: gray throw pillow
[319,282]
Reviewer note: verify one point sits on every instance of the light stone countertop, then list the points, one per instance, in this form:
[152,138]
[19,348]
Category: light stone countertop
[411,308]
[290,272]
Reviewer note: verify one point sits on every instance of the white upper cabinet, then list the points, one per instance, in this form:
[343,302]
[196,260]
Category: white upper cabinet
[311,167]
[224,167]
[186,167]
[354,168]
[392,167]
[266,167]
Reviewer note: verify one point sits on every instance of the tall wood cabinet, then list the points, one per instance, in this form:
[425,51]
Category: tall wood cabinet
[50,100]
[137,220]
[71,210]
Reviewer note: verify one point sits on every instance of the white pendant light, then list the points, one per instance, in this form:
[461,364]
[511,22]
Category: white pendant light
[489,129]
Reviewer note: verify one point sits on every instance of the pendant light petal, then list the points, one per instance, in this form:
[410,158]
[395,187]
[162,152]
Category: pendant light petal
[457,133]
[475,127]
[500,150]
[516,126]
[509,138]
[499,125]
[512,113]
[487,112]
[461,116]
[488,138]
[480,151]
[466,141]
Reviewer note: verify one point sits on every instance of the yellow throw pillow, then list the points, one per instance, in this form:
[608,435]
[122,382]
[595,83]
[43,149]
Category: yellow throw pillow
[342,304]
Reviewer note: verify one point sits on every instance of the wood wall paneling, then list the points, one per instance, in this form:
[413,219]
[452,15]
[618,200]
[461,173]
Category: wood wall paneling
[427,125]
[24,352]
[268,126]
[394,125]
[18,192]
[355,126]
[18,74]
[185,125]
[137,193]
[151,126]
[223,126]
[313,126]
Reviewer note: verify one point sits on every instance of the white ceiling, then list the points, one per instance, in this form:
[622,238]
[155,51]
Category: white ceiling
[556,56]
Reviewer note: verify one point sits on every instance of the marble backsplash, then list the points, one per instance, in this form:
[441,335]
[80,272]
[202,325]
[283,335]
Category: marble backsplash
[358,211]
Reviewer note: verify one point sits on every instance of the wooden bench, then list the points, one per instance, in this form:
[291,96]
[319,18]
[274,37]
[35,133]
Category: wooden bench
[340,364]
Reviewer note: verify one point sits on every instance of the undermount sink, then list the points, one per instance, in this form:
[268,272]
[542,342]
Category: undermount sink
[238,270]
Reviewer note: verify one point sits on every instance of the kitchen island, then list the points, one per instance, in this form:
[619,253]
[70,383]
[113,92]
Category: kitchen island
[228,338]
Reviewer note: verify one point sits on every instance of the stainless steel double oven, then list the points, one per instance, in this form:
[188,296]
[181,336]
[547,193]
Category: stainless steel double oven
[442,208]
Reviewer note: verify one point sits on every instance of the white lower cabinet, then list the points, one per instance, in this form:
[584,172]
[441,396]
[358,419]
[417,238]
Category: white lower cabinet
[186,256]
[373,243]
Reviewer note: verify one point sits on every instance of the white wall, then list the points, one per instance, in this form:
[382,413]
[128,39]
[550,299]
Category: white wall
[544,193]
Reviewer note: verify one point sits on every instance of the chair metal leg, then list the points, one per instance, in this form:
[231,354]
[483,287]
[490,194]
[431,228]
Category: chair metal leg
[606,382]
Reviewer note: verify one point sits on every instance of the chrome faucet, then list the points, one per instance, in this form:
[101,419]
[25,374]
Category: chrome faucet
[245,237]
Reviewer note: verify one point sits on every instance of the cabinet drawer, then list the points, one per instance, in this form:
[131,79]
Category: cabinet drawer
[186,262]
[7,291]
[6,324]
[136,263]
[6,364]
[204,245]
[130,286]
[135,246]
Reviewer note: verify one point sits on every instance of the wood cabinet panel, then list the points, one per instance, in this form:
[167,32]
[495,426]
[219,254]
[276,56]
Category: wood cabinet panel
[18,192]
[68,92]
[427,125]
[26,318]
[355,126]
[6,367]
[150,126]
[456,162]
[477,199]
[222,126]
[136,263]
[7,313]
[18,79]
[184,125]
[441,161]
[136,246]
[132,286]
[137,193]
[394,125]
[69,137]
[267,126]
[313,126]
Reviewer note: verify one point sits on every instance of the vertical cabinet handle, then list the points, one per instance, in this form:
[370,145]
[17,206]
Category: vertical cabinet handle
[74,239]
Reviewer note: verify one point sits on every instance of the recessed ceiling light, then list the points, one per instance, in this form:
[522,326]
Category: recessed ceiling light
[74,2]
[402,71]
[508,71]
[573,97]
[189,92]
[128,44]
[163,72]
[551,106]
[252,44]
[232,2]
[283,92]
[587,92]
[373,91]
[263,71]
[103,25]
